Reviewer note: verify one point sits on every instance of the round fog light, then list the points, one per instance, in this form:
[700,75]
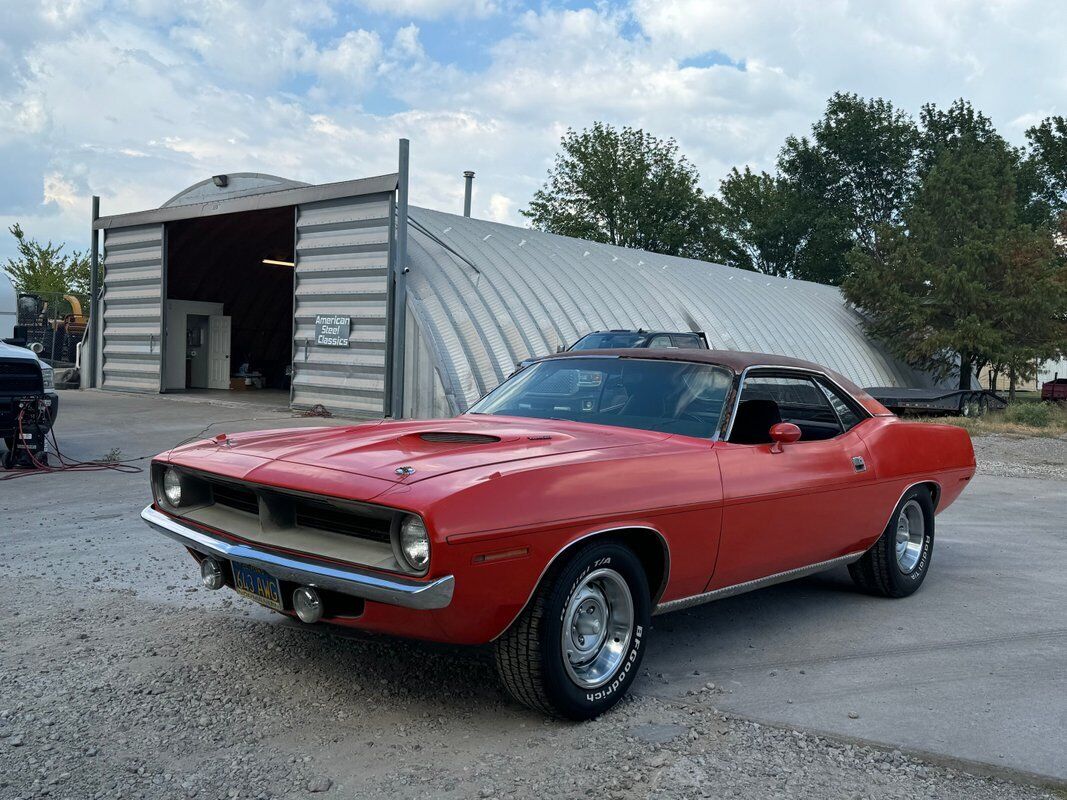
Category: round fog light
[307,604]
[211,574]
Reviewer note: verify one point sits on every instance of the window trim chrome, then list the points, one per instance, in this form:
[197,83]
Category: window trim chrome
[805,371]
[564,356]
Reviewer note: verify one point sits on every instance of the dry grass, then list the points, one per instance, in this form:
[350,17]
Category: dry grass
[1024,418]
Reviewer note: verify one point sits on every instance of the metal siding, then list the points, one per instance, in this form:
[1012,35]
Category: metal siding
[342,267]
[133,284]
[420,372]
[266,197]
[533,291]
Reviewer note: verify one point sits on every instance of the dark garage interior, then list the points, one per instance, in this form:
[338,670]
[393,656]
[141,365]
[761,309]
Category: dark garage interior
[215,267]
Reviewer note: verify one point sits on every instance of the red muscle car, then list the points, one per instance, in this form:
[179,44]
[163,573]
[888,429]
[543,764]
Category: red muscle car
[568,506]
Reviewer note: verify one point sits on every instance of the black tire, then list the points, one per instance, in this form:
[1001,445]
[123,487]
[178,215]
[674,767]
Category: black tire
[879,571]
[530,655]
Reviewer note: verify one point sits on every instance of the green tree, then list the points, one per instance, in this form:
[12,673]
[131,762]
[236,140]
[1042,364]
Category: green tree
[622,186]
[753,224]
[1048,157]
[858,165]
[1031,311]
[932,292]
[832,193]
[960,124]
[44,268]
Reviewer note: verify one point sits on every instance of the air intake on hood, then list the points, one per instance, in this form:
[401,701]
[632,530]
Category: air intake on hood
[458,438]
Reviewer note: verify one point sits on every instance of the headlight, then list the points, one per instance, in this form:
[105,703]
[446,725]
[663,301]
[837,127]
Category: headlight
[48,376]
[415,544]
[172,487]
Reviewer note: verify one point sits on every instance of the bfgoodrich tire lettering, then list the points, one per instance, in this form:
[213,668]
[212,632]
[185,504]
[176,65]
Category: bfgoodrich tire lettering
[896,565]
[531,657]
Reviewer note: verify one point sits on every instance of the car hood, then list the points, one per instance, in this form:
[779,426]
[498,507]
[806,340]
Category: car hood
[412,451]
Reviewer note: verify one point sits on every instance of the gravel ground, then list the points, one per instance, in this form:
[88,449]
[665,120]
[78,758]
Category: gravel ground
[119,679]
[1021,456]
[203,696]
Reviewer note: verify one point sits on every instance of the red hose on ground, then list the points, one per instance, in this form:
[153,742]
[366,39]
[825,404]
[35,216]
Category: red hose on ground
[66,464]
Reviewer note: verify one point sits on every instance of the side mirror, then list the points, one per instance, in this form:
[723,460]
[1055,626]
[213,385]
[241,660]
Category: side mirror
[783,433]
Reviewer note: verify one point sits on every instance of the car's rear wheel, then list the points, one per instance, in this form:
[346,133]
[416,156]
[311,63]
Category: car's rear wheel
[898,562]
[577,646]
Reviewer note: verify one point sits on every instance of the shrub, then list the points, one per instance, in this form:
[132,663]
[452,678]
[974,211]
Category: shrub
[1033,415]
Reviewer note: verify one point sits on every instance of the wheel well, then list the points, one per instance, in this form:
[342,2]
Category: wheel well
[651,550]
[935,492]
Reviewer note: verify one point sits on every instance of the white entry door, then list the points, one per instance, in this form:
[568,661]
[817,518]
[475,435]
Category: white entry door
[218,342]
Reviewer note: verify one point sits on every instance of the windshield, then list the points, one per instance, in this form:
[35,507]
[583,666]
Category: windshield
[608,341]
[653,395]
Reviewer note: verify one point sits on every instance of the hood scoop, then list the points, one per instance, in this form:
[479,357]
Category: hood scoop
[456,437]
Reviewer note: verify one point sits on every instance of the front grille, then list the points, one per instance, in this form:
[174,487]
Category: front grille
[326,517]
[227,494]
[458,438]
[286,510]
[18,377]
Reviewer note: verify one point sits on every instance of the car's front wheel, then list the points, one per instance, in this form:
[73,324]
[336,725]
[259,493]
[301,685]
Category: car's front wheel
[577,646]
[896,565]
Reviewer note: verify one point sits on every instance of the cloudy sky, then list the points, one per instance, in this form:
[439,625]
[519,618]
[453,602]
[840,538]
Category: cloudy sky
[136,99]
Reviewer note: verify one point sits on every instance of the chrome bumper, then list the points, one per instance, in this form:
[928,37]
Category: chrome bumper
[350,580]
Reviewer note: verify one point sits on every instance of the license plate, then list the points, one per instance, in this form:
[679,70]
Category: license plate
[255,584]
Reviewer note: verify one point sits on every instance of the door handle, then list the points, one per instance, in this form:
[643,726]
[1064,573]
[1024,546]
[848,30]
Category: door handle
[859,464]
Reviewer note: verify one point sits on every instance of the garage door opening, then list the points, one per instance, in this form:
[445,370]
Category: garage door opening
[229,305]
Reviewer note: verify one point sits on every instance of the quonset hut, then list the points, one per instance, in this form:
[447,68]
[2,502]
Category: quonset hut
[340,294]
[482,296]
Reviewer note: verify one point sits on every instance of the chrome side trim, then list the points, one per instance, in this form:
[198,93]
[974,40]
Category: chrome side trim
[350,580]
[758,583]
[582,538]
[801,370]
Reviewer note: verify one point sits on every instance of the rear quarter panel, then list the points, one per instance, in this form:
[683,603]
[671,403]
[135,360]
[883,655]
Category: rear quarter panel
[907,452]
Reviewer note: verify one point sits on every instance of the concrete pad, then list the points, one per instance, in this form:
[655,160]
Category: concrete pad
[972,667]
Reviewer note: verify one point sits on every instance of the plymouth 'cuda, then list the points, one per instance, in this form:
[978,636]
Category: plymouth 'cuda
[578,499]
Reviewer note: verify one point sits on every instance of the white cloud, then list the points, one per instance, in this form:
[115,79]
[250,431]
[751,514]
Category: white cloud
[406,43]
[500,208]
[136,99]
[350,61]
[432,9]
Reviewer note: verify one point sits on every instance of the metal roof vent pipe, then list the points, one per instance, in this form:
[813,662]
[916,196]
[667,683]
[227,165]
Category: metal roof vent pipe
[468,188]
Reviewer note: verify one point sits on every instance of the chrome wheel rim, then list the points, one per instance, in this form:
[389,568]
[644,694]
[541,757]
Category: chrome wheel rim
[911,534]
[598,625]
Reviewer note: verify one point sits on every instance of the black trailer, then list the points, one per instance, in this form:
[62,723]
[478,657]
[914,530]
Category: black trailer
[938,402]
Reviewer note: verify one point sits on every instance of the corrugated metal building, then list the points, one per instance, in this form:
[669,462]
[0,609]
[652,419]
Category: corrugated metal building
[259,267]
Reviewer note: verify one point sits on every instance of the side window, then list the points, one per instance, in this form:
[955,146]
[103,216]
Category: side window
[766,400]
[662,341]
[848,416]
[687,340]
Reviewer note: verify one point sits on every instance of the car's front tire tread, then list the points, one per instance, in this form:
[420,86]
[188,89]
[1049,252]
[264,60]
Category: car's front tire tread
[527,660]
[518,656]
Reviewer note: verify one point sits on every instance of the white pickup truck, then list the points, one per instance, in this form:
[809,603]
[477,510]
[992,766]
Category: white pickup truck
[23,375]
